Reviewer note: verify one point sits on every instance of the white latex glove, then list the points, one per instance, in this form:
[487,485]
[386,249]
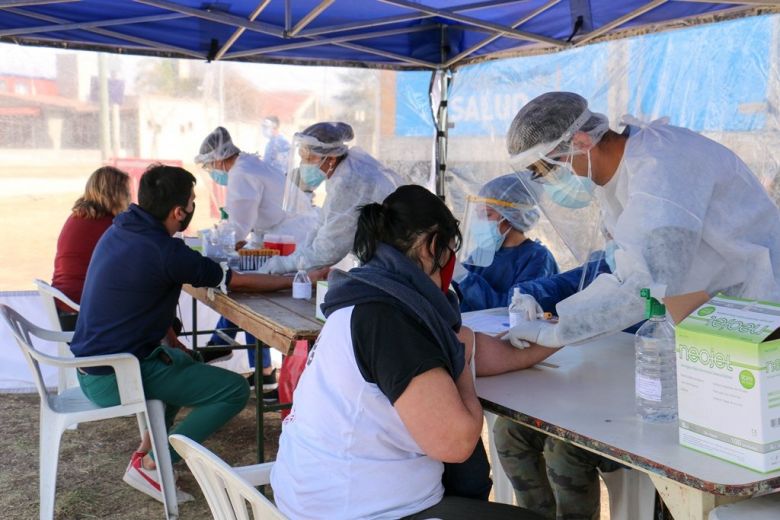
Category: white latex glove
[279,265]
[460,273]
[541,332]
[529,307]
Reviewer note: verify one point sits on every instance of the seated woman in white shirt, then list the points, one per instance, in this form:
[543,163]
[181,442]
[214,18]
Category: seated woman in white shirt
[388,395]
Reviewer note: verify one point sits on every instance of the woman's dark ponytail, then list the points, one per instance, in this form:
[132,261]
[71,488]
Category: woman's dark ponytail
[407,214]
[370,230]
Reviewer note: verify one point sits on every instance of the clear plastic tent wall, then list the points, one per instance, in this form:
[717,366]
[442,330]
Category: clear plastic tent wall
[720,79]
[56,128]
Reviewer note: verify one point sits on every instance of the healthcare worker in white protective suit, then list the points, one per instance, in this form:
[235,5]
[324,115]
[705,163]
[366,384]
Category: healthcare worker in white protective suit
[352,179]
[255,190]
[685,214]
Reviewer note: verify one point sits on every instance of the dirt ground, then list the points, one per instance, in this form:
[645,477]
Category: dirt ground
[93,459]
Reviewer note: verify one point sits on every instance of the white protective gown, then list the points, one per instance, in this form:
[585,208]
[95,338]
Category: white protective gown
[254,201]
[358,180]
[687,215]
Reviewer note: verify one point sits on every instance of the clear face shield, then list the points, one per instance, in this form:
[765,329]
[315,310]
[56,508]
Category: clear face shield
[565,198]
[482,235]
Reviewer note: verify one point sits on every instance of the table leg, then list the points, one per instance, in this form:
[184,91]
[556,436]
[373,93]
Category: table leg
[259,407]
[194,324]
[687,503]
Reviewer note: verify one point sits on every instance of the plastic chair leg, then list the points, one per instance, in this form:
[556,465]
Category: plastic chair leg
[158,434]
[50,436]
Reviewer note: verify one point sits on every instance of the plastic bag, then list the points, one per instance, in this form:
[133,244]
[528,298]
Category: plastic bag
[292,368]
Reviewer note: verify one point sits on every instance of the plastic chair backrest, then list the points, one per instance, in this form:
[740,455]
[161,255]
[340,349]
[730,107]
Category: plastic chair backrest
[66,378]
[49,294]
[23,331]
[229,496]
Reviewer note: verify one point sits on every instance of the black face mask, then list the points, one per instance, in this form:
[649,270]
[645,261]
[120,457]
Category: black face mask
[186,222]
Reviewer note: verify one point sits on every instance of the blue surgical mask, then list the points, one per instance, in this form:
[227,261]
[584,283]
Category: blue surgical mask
[609,255]
[570,190]
[219,176]
[311,174]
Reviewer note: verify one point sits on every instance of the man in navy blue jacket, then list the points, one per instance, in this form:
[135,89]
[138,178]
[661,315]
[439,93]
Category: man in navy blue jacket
[129,301]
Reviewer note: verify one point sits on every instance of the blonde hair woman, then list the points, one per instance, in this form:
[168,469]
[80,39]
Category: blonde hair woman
[106,194]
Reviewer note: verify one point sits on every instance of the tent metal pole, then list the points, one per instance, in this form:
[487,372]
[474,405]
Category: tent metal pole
[238,32]
[620,21]
[112,34]
[404,18]
[216,16]
[315,42]
[468,20]
[385,54]
[487,41]
[287,17]
[445,79]
[364,25]
[72,26]
[306,20]
[25,3]
[758,3]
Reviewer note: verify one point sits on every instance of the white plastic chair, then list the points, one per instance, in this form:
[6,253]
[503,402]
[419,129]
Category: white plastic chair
[230,492]
[66,377]
[766,507]
[72,406]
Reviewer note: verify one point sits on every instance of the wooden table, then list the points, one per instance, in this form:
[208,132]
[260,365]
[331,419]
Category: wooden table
[586,396]
[275,319]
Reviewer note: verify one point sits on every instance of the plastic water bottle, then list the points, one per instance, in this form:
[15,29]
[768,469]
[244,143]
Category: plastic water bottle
[516,314]
[656,370]
[301,286]
[226,231]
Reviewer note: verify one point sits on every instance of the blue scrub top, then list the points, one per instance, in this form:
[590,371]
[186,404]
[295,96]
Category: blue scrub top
[491,286]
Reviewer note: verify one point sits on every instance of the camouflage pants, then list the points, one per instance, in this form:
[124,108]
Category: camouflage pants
[552,478]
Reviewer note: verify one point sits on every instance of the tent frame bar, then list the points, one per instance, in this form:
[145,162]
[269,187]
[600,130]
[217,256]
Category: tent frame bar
[617,22]
[111,34]
[240,30]
[326,41]
[4,4]
[216,16]
[72,26]
[405,18]
[487,41]
[308,18]
[493,27]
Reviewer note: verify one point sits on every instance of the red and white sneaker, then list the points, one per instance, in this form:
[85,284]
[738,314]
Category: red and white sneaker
[148,480]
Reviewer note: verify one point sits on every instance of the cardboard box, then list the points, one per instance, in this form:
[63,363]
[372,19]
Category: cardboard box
[728,381]
[322,288]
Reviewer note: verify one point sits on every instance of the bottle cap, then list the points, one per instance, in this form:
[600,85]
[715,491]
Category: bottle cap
[652,306]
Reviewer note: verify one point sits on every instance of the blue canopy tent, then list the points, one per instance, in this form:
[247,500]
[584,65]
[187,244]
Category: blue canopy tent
[435,35]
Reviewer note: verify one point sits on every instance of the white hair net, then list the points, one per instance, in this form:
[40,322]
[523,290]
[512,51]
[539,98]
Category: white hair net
[326,139]
[512,201]
[544,127]
[216,147]
[358,180]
